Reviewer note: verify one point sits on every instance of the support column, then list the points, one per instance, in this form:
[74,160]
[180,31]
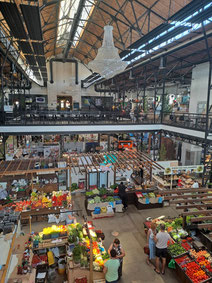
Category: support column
[99,139]
[208,101]
[154,146]
[163,96]
[155,93]
[108,143]
[144,94]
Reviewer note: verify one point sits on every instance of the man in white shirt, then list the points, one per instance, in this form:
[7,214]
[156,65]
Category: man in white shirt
[161,240]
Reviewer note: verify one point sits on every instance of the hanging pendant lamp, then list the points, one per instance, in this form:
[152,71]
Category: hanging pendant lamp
[107,62]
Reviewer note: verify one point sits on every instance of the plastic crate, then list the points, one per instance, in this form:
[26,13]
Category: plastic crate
[55,235]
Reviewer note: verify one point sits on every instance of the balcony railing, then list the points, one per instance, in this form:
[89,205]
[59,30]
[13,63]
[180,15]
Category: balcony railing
[50,117]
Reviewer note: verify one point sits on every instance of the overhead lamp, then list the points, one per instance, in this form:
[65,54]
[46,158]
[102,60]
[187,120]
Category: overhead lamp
[107,62]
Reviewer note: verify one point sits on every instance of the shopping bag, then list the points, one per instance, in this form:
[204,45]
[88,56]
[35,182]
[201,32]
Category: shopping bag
[146,250]
[172,264]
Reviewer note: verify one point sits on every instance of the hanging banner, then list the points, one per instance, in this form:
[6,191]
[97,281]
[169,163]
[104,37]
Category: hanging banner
[106,167]
[184,169]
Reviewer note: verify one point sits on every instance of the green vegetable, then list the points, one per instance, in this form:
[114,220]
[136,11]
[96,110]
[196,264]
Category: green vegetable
[176,249]
[96,192]
[97,199]
[102,191]
[89,193]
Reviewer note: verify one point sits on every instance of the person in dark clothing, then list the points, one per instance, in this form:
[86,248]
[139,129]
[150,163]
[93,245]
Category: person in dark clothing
[123,195]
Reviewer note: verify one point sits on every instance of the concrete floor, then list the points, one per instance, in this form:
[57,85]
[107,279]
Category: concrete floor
[130,227]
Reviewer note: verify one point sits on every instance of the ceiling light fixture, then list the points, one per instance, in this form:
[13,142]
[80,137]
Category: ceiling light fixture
[107,62]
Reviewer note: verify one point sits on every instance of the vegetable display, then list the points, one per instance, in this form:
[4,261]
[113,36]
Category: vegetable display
[195,272]
[39,200]
[182,260]
[176,250]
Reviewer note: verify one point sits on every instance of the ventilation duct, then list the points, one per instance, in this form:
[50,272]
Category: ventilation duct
[63,61]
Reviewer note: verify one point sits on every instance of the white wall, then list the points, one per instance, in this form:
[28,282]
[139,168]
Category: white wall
[199,86]
[64,83]
[36,89]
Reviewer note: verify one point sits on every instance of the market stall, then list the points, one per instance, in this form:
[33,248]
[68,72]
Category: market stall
[187,177]
[39,206]
[76,171]
[187,256]
[73,251]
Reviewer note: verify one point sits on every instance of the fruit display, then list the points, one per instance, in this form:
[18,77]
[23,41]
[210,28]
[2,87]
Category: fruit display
[186,246]
[195,254]
[39,259]
[53,232]
[40,200]
[77,235]
[176,250]
[195,272]
[183,260]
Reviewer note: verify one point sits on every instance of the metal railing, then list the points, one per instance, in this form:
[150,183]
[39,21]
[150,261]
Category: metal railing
[52,117]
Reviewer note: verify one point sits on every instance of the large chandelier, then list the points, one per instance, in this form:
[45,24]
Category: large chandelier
[107,62]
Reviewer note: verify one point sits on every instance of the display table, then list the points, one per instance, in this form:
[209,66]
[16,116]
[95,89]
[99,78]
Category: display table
[40,214]
[91,206]
[141,206]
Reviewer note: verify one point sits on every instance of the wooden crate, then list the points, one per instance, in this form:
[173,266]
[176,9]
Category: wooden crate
[102,215]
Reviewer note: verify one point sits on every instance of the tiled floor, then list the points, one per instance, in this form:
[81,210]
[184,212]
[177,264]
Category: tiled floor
[129,225]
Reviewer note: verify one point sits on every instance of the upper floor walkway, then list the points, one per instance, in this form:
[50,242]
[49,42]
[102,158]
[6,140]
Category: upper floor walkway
[75,122]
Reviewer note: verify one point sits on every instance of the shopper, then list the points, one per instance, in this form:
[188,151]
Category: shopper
[161,240]
[123,195]
[120,254]
[111,267]
[150,242]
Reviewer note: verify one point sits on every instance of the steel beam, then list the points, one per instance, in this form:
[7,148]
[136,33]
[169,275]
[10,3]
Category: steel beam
[74,28]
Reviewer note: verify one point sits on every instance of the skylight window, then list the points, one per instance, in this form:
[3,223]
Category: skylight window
[187,22]
[175,24]
[68,9]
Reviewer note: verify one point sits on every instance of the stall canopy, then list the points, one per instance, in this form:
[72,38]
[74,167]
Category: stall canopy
[114,160]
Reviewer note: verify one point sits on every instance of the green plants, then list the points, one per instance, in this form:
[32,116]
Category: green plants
[74,187]
[113,187]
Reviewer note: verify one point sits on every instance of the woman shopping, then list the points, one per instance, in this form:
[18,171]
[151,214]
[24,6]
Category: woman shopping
[150,242]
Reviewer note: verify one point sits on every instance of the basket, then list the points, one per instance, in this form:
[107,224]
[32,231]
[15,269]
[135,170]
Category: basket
[46,236]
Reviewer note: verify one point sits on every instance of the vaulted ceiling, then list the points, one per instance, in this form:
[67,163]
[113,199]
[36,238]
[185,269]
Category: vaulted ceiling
[40,29]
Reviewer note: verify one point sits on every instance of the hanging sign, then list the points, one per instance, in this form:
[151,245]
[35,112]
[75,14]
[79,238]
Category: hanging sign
[184,169]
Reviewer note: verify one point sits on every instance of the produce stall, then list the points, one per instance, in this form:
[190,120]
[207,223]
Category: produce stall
[147,200]
[83,255]
[141,198]
[192,260]
[74,250]
[178,176]
[86,171]
[39,205]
